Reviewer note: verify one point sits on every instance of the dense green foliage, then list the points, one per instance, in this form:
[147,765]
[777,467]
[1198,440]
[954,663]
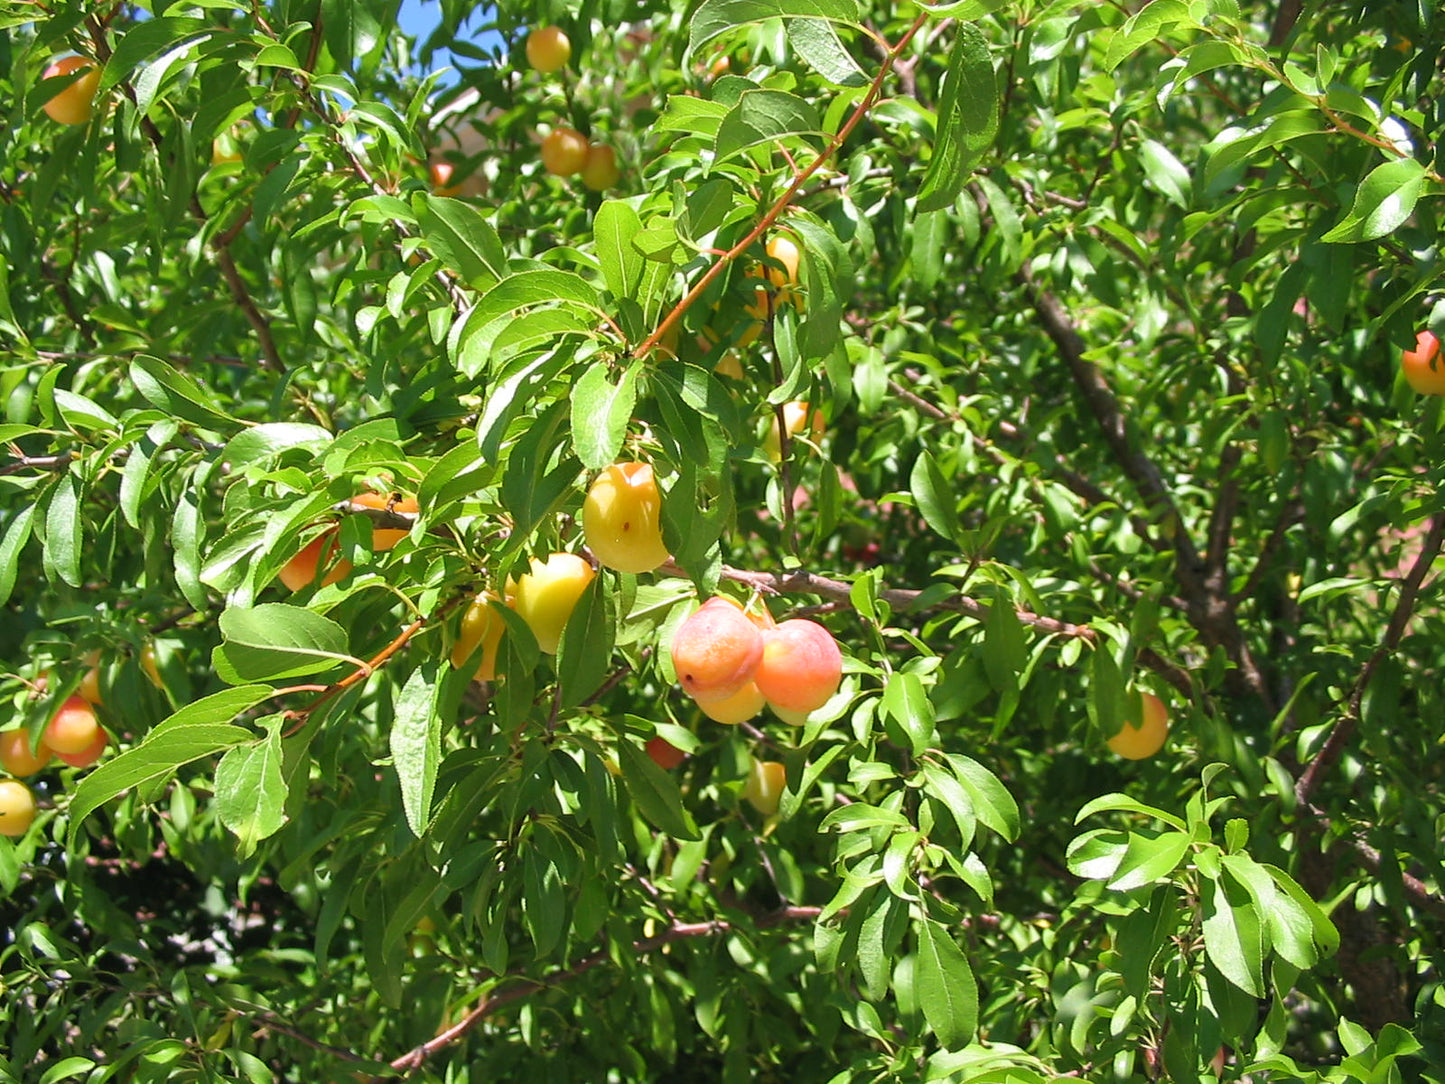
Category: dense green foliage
[1102,304]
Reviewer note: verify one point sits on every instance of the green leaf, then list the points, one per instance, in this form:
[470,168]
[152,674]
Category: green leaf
[936,498]
[274,641]
[1384,200]
[601,411]
[154,759]
[764,117]
[143,40]
[616,224]
[250,790]
[968,112]
[1004,649]
[716,17]
[992,803]
[584,657]
[817,44]
[1165,172]
[944,983]
[263,442]
[217,708]
[177,394]
[1149,859]
[1148,24]
[64,538]
[1123,803]
[464,240]
[654,792]
[543,287]
[1234,935]
[906,702]
[416,744]
[17,533]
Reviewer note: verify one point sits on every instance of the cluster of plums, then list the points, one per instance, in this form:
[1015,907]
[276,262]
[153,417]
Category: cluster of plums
[566,151]
[73,735]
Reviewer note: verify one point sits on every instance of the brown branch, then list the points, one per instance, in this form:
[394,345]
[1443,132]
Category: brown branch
[271,357]
[673,318]
[1284,20]
[524,986]
[1416,889]
[1349,720]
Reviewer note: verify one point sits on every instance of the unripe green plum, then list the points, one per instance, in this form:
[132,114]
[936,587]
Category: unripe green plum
[546,596]
[622,519]
[716,651]
[801,667]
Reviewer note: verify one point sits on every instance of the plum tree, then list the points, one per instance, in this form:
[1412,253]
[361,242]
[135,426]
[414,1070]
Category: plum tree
[622,519]
[548,49]
[73,728]
[1423,367]
[16,755]
[482,626]
[17,808]
[564,151]
[546,595]
[763,790]
[599,170]
[1142,738]
[716,651]
[76,103]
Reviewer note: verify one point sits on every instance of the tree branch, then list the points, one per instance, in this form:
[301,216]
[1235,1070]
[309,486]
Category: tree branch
[1349,720]
[524,987]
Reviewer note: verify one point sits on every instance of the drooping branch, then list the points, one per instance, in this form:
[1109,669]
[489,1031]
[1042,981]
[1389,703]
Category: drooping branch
[520,986]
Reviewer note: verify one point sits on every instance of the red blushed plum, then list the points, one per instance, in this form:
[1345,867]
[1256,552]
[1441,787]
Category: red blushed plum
[716,651]
[800,669]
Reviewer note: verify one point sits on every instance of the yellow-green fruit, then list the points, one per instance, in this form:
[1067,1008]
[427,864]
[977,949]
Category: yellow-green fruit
[16,756]
[622,519]
[481,625]
[76,103]
[795,417]
[548,49]
[764,788]
[564,151]
[738,708]
[599,171]
[1135,741]
[546,596]
[17,807]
